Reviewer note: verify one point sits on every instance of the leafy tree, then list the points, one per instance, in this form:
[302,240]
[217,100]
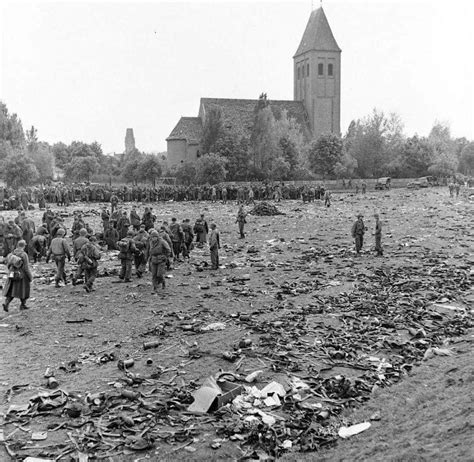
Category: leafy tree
[62,155]
[212,130]
[445,161]
[11,128]
[186,173]
[264,142]
[211,169]
[80,149]
[466,161]
[236,152]
[325,153]
[131,170]
[415,157]
[150,168]
[20,171]
[43,159]
[31,138]
[82,168]
[346,166]
[374,141]
[280,169]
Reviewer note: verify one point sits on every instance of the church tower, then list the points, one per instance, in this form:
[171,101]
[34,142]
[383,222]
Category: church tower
[317,75]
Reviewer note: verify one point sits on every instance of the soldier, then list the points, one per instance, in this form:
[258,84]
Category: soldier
[177,237]
[148,219]
[457,188]
[127,250]
[38,247]
[140,239]
[201,229]
[364,187]
[105,215]
[28,227]
[18,284]
[79,242]
[77,225]
[59,250]
[358,230]
[224,195]
[111,237]
[188,237]
[113,202]
[135,218]
[213,194]
[327,199]
[12,235]
[214,246]
[89,264]
[157,253]
[378,236]
[241,215]
[123,225]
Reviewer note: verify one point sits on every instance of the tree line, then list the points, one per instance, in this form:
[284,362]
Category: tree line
[24,159]
[274,149]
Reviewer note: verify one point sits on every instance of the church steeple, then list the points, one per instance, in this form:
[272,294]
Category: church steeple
[317,35]
[317,75]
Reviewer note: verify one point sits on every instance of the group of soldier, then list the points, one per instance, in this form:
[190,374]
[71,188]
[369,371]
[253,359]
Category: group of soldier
[139,239]
[63,195]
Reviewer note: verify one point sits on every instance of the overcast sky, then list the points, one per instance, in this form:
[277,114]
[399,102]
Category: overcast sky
[87,71]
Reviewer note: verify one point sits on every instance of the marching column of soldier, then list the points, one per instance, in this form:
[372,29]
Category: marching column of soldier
[141,243]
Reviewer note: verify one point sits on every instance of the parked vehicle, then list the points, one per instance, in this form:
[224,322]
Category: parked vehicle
[423,182]
[383,183]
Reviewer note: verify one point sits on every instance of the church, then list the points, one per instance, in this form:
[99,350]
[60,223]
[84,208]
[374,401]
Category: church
[316,104]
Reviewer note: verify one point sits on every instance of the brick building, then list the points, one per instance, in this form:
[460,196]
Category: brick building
[316,105]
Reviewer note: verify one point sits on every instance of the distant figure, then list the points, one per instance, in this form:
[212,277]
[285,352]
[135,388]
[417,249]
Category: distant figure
[457,188]
[358,231]
[241,215]
[378,236]
[214,246]
[327,199]
[364,187]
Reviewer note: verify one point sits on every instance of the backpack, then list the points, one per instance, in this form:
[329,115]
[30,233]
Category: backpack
[123,245]
[15,266]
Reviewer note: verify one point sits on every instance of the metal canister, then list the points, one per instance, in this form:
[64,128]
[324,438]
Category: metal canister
[125,363]
[52,383]
[152,344]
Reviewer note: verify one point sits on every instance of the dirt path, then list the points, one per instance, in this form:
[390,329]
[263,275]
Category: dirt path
[293,287]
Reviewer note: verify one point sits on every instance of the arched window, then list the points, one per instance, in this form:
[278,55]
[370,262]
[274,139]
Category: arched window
[320,69]
[330,70]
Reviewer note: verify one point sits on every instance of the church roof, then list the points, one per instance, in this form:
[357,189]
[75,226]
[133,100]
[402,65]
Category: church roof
[317,35]
[238,115]
[188,128]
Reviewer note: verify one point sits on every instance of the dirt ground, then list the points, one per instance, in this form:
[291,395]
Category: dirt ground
[294,281]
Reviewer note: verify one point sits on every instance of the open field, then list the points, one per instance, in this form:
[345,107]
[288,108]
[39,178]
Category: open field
[348,327]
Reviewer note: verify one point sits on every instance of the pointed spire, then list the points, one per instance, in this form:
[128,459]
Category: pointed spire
[317,35]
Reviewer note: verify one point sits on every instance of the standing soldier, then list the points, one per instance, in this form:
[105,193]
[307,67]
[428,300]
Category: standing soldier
[378,236]
[113,202]
[111,236]
[327,198]
[224,195]
[127,250]
[135,218]
[122,225]
[241,215]
[177,236]
[214,246]
[140,240]
[213,194]
[105,215]
[157,253]
[358,230]
[188,237]
[90,262]
[18,283]
[59,250]
[364,187]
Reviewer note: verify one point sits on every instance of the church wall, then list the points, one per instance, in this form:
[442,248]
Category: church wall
[179,151]
[176,152]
